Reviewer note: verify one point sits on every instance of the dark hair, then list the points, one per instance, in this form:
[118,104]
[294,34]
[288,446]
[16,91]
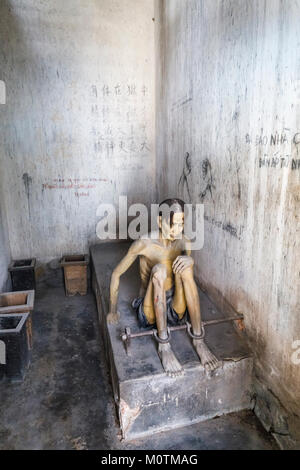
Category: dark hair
[178,207]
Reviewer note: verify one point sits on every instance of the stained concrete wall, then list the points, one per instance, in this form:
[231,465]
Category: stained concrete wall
[4,246]
[228,94]
[78,126]
[4,239]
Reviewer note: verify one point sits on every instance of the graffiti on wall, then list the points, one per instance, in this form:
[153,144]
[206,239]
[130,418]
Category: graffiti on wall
[183,183]
[208,179]
[276,149]
[120,113]
[80,186]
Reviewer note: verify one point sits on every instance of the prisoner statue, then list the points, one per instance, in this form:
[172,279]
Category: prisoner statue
[168,294]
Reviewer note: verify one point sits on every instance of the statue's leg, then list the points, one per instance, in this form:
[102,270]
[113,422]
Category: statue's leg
[179,301]
[157,305]
[208,360]
[148,306]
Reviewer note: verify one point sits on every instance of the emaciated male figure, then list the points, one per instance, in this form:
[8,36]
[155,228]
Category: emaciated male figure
[168,289]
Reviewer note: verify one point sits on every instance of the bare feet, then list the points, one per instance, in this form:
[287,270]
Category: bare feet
[113,318]
[208,359]
[170,363]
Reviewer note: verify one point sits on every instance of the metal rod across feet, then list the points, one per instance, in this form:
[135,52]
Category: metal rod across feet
[127,336]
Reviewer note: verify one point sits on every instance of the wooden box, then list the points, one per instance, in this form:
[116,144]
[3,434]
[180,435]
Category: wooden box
[75,274]
[15,357]
[22,273]
[19,302]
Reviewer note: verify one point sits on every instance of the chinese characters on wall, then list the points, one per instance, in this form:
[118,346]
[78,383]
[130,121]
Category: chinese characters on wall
[121,114]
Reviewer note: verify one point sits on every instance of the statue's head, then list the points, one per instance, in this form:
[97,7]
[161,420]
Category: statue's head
[171,219]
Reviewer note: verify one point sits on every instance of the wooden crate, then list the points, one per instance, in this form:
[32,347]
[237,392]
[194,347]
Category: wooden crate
[19,302]
[75,274]
[22,274]
[14,342]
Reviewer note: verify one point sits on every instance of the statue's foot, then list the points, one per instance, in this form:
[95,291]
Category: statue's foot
[169,362]
[207,358]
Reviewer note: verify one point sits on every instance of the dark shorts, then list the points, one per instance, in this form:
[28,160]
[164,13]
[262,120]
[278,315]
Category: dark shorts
[172,317]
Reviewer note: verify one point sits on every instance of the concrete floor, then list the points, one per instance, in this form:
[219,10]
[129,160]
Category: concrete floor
[65,401]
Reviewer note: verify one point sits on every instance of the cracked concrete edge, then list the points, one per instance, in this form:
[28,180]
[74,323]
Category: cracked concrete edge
[127,416]
[284,427]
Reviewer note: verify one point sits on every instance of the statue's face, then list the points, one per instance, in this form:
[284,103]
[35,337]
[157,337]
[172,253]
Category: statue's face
[175,231]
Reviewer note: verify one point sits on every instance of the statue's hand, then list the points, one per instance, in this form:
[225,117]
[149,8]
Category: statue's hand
[181,263]
[113,318]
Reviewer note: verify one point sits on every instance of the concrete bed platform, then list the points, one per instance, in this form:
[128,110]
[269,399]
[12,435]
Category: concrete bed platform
[147,399]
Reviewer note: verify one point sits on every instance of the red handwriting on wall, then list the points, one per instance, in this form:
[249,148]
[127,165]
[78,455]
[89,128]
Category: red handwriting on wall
[73,183]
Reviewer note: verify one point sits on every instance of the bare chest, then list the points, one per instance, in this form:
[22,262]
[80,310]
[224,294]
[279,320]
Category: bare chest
[156,254]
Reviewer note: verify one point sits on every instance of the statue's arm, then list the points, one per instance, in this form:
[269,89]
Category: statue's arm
[133,252]
[187,246]
[185,260]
